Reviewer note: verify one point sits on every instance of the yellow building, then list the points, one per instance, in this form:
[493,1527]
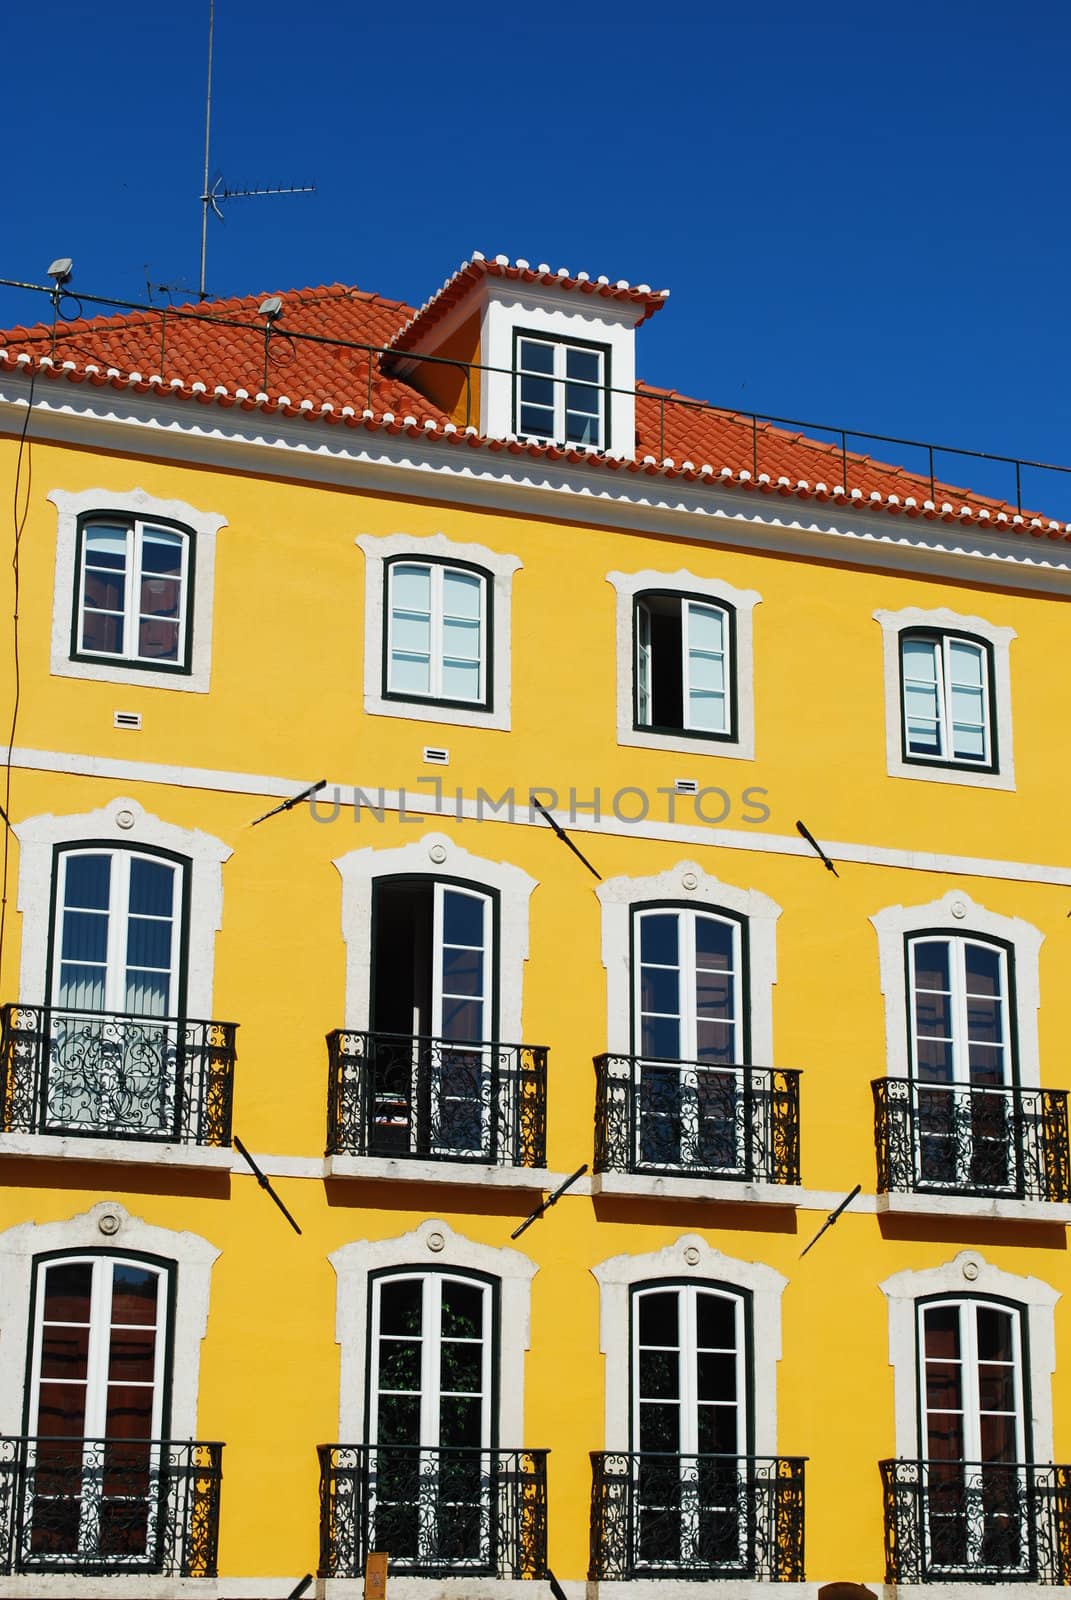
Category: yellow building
[462,567]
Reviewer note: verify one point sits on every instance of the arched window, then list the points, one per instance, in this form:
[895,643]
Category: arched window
[96,1411]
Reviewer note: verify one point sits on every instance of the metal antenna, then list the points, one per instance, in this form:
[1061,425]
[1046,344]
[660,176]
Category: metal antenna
[214,192]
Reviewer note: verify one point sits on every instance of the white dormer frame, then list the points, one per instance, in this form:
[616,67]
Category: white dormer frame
[509,308]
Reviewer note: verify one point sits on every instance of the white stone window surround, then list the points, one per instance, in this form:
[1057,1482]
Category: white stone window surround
[431,1246]
[955,915]
[434,856]
[203,527]
[436,546]
[124,1234]
[122,822]
[687,884]
[969,1275]
[627,586]
[557,314]
[895,623]
[691,1260]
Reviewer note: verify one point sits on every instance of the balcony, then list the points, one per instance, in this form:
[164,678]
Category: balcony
[696,1518]
[695,1120]
[103,1507]
[970,1148]
[440,1512]
[105,1075]
[423,1100]
[976,1522]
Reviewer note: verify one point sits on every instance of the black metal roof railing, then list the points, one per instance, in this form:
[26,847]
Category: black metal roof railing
[1008,475]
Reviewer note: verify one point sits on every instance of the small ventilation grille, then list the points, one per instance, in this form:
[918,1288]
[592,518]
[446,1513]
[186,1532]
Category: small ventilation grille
[686,786]
[126,719]
[436,757]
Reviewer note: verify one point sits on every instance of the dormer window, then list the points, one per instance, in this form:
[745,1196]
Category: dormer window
[560,390]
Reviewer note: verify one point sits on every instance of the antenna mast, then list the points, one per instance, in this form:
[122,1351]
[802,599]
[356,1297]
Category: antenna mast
[213,193]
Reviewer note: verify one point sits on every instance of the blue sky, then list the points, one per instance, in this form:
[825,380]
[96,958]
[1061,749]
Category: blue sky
[861,210]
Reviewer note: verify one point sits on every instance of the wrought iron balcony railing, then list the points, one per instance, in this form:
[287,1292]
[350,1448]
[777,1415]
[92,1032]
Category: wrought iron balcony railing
[419,1098]
[109,1506]
[978,1522]
[971,1139]
[696,1517]
[120,1077]
[440,1513]
[696,1119]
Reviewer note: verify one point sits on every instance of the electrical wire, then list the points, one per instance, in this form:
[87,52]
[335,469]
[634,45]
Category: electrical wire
[15,567]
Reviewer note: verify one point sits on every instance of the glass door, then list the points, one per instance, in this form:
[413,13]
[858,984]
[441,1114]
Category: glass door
[432,1477]
[95,1414]
[687,1024]
[964,1106]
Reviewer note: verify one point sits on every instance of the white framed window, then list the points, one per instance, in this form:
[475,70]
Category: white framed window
[118,943]
[437,640]
[185,1261]
[675,947]
[684,663]
[945,685]
[947,698]
[95,1410]
[560,390]
[684,666]
[133,593]
[432,1423]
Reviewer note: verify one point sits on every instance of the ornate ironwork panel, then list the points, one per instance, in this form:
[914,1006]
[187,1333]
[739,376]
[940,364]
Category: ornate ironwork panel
[438,1512]
[105,1073]
[977,1522]
[971,1139]
[117,1076]
[695,1118]
[696,1517]
[436,1099]
[109,1506]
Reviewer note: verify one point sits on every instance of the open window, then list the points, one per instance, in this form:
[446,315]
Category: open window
[684,672]
[433,1017]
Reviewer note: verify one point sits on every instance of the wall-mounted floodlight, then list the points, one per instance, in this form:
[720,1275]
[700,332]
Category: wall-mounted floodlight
[272,308]
[60,270]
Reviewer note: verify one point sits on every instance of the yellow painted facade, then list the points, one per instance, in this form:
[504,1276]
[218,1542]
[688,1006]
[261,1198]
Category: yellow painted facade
[285,707]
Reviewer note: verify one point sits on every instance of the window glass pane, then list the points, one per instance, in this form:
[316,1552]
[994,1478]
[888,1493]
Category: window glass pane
[461,643]
[64,1352]
[106,546]
[102,632]
[996,1334]
[716,1376]
[461,681]
[658,1318]
[659,938]
[462,972]
[659,1374]
[87,882]
[411,634]
[410,587]
[462,594]
[581,429]
[152,887]
[716,1322]
[585,364]
[537,355]
[85,937]
[965,664]
[660,1038]
[920,660]
[161,552]
[68,1286]
[463,918]
[135,1291]
[462,1310]
[410,674]
[400,1306]
[706,628]
[538,392]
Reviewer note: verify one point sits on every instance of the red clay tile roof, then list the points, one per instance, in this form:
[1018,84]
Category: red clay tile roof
[471,272]
[214,355]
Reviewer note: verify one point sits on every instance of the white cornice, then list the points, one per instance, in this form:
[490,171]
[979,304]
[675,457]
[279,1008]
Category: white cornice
[306,449]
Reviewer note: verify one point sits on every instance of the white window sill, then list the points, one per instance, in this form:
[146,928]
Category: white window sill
[989,1207]
[966,1590]
[464,1173]
[966,777]
[712,1589]
[688,745]
[116,1152]
[656,1186]
[428,711]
